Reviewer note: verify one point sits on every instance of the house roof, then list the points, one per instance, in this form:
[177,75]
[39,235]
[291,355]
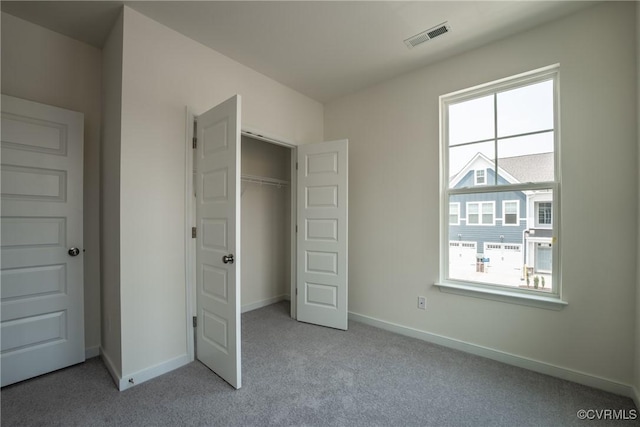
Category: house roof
[529,168]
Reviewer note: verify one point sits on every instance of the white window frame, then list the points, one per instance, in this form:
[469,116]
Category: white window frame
[476,181]
[480,204]
[552,300]
[451,204]
[504,213]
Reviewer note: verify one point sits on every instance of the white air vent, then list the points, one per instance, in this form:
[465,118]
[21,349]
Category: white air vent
[427,35]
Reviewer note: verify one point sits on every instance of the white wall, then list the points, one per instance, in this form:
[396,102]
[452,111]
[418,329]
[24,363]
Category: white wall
[394,203]
[43,66]
[163,72]
[110,196]
[265,232]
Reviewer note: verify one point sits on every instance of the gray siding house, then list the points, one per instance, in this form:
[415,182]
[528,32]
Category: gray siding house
[501,232]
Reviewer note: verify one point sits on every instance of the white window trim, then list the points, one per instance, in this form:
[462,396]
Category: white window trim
[496,292]
[458,204]
[484,177]
[480,203]
[504,213]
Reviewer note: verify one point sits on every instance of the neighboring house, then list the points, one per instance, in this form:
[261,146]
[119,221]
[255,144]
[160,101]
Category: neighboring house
[499,232]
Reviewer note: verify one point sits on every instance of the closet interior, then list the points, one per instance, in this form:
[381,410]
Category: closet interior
[265,223]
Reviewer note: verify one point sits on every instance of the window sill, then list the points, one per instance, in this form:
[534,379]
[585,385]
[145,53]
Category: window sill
[538,301]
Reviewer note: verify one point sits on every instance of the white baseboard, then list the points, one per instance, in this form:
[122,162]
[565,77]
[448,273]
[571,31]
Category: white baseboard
[115,373]
[128,381]
[510,359]
[90,352]
[265,302]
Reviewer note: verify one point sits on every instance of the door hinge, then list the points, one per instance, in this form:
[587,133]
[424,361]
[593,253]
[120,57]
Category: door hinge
[296,291]
[195,133]
[195,321]
[296,228]
[296,165]
[193,232]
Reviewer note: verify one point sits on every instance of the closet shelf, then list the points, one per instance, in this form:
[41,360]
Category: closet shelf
[263,180]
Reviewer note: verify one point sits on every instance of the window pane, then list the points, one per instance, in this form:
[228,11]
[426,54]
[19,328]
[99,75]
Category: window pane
[544,213]
[454,213]
[473,216]
[462,160]
[499,255]
[487,213]
[526,109]
[527,159]
[511,213]
[471,121]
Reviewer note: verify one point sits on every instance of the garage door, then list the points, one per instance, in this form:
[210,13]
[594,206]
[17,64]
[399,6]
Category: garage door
[503,257]
[462,258]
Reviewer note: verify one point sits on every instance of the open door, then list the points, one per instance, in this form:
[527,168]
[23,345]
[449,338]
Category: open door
[218,240]
[322,241]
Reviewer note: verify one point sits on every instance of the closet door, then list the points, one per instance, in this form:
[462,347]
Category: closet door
[322,241]
[42,261]
[218,240]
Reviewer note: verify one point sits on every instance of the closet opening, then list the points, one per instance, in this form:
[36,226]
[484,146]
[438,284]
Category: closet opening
[267,229]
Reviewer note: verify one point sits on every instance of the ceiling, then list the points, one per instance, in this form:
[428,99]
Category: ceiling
[323,49]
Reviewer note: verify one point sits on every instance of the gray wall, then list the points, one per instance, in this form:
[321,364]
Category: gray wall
[110,196]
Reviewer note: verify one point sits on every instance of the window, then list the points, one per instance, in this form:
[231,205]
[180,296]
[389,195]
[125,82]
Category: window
[480,213]
[543,214]
[454,214]
[502,136]
[510,212]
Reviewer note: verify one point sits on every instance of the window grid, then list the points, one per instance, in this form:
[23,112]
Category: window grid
[478,212]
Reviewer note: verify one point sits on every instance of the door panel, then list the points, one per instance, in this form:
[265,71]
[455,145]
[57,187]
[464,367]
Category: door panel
[322,275]
[42,285]
[218,224]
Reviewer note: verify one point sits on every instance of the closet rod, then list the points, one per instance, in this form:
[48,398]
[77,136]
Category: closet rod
[263,180]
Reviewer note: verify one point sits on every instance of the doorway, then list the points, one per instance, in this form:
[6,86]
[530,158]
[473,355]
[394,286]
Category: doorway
[318,248]
[265,222]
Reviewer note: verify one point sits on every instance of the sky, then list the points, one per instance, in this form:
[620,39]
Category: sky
[522,110]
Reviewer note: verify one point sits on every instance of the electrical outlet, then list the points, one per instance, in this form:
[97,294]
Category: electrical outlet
[422,303]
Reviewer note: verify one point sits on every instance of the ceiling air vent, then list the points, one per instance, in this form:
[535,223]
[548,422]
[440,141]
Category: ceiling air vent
[427,35]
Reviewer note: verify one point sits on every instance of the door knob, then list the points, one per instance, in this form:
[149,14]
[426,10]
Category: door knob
[74,251]
[228,259]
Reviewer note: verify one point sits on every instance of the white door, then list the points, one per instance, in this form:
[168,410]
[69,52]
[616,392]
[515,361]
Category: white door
[322,257]
[42,274]
[543,257]
[218,240]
